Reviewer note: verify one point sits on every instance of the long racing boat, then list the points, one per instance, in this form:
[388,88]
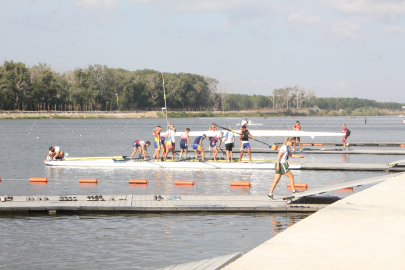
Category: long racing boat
[258,165]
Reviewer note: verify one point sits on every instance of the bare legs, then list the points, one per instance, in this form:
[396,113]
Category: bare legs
[277,179]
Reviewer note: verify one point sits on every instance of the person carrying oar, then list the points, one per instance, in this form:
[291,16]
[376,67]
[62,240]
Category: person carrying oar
[282,166]
[244,136]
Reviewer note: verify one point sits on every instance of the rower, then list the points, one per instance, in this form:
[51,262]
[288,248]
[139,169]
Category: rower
[229,143]
[213,144]
[297,127]
[55,153]
[183,143]
[211,128]
[245,143]
[156,133]
[141,145]
[163,146]
[198,147]
[171,141]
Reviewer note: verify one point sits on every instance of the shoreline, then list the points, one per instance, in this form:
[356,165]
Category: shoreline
[173,114]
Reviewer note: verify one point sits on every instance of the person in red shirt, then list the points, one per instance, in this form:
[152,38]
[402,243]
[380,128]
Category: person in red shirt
[297,127]
[344,140]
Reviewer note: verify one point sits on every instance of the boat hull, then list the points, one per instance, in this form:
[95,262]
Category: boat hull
[168,165]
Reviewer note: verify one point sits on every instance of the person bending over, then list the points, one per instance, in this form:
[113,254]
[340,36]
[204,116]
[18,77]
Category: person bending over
[198,147]
[141,146]
[55,154]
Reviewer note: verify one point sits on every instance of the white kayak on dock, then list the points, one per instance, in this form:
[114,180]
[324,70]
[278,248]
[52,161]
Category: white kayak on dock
[167,164]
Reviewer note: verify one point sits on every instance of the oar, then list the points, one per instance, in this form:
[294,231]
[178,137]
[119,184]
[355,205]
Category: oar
[271,146]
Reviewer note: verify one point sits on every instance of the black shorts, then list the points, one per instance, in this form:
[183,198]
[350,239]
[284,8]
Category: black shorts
[228,146]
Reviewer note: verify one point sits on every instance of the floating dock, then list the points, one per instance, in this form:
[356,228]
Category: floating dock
[349,167]
[361,144]
[301,202]
[323,151]
[215,263]
[147,204]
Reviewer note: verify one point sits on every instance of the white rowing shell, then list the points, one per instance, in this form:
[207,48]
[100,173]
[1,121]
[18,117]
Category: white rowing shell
[169,165]
[267,133]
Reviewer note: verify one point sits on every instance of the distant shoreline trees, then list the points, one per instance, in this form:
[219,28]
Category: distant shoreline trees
[102,88]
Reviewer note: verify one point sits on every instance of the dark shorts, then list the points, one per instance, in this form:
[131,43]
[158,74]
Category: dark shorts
[213,143]
[183,145]
[228,146]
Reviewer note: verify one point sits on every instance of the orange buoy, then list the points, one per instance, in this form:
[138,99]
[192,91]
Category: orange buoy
[0,179]
[38,179]
[402,145]
[348,189]
[318,144]
[307,144]
[299,185]
[136,181]
[240,183]
[94,181]
[180,182]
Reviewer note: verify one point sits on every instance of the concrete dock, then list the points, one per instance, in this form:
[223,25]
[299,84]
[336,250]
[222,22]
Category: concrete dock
[362,231]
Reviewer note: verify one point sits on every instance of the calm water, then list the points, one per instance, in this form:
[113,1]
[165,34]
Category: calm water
[150,241]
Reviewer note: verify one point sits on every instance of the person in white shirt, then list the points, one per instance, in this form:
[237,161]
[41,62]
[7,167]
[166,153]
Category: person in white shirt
[171,144]
[229,144]
[282,166]
[55,153]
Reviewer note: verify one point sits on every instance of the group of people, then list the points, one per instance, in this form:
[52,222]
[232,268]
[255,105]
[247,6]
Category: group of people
[164,143]
[297,127]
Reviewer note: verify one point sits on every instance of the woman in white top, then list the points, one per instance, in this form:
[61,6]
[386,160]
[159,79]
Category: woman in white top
[282,166]
[171,144]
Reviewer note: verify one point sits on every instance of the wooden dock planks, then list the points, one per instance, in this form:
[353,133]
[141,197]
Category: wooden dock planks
[145,203]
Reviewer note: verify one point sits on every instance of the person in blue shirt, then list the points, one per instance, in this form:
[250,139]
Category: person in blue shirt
[198,147]
[213,144]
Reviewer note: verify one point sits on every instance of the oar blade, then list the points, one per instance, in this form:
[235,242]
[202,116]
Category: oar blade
[273,146]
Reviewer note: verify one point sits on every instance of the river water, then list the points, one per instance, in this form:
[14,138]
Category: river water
[148,241]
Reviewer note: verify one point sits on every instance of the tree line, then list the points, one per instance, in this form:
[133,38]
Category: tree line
[98,87]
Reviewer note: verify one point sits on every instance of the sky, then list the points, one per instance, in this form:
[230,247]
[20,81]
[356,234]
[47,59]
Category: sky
[346,48]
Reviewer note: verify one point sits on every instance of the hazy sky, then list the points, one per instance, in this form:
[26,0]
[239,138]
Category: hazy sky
[351,48]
